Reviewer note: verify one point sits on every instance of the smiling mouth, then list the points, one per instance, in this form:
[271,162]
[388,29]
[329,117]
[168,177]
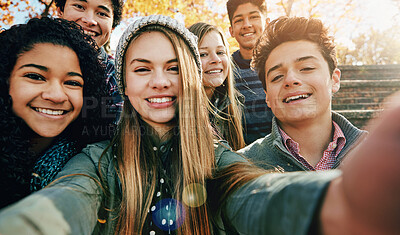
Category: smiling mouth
[50,111]
[296,97]
[160,100]
[247,34]
[90,33]
[214,71]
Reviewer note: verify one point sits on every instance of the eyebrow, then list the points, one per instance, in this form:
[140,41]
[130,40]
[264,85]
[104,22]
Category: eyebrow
[148,61]
[297,60]
[45,69]
[241,15]
[41,67]
[100,6]
[73,74]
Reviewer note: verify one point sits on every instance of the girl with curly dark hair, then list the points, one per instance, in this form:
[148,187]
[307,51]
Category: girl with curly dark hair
[52,94]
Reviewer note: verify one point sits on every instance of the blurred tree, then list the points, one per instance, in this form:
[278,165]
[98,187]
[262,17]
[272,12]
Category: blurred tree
[10,8]
[373,47]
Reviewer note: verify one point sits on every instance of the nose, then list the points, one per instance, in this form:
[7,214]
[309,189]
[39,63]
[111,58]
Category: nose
[89,20]
[160,80]
[246,23]
[291,79]
[55,92]
[214,58]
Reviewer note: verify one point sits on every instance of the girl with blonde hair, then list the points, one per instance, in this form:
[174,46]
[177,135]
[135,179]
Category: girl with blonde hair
[219,83]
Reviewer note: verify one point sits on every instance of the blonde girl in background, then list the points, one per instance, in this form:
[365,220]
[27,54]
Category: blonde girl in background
[218,82]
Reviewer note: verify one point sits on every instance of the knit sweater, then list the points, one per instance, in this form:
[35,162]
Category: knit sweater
[270,152]
[257,115]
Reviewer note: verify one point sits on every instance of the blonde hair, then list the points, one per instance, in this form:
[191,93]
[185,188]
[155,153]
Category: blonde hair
[195,160]
[233,114]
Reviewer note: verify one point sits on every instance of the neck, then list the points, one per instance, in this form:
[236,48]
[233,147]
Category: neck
[246,53]
[313,137]
[209,91]
[39,144]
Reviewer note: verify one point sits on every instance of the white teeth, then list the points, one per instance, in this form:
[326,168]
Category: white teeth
[214,71]
[49,111]
[296,97]
[90,33]
[160,100]
[247,34]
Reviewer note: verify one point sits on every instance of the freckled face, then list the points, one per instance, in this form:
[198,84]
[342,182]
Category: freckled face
[152,78]
[214,60]
[46,87]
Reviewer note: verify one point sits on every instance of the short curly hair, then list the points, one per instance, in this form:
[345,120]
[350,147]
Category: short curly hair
[286,29]
[232,5]
[116,4]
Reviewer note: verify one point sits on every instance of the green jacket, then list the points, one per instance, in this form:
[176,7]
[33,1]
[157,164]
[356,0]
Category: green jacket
[269,152]
[272,204]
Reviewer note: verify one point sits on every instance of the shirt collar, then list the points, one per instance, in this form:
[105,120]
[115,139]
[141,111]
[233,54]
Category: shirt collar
[293,146]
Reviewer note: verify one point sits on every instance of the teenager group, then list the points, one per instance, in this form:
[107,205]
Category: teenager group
[167,169]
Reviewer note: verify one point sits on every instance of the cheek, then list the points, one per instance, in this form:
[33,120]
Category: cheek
[76,99]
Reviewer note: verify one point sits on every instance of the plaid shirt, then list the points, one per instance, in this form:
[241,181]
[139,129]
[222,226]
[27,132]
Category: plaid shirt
[328,159]
[112,85]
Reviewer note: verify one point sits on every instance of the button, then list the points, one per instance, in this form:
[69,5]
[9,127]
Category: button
[163,148]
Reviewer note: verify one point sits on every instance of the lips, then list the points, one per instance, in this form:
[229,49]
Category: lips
[248,34]
[296,97]
[160,100]
[53,112]
[214,71]
[90,33]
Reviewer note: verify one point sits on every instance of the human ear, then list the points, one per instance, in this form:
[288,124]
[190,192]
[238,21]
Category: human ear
[266,98]
[231,31]
[336,80]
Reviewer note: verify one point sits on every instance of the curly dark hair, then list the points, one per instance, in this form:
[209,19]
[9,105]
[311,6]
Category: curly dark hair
[286,29]
[16,159]
[117,9]
[232,5]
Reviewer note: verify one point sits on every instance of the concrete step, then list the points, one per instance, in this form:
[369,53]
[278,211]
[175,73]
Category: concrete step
[362,93]
[370,83]
[357,100]
[361,106]
[370,71]
[359,118]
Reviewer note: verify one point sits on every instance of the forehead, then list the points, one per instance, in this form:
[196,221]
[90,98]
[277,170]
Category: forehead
[289,52]
[245,9]
[153,44]
[96,3]
[212,38]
